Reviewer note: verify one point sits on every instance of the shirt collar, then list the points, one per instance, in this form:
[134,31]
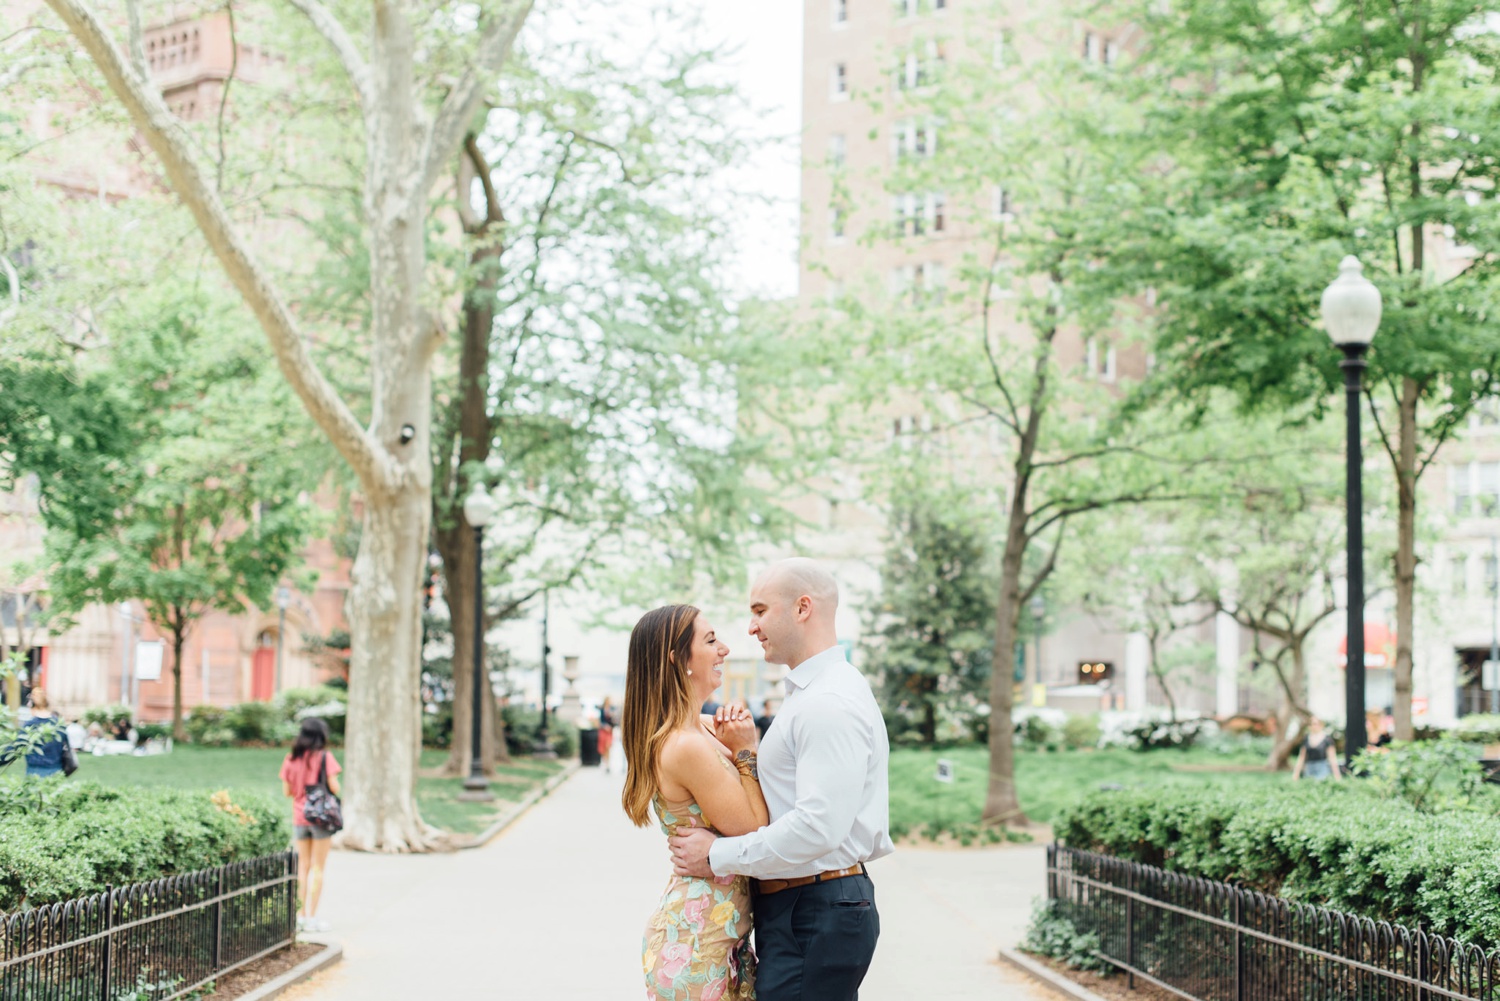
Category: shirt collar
[805,673]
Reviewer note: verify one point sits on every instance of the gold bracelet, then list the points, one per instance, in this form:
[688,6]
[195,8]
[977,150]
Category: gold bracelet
[748,763]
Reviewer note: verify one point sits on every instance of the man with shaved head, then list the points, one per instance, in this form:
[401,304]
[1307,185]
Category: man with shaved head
[823,768]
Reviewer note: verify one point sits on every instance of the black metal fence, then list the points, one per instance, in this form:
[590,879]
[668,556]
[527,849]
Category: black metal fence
[163,939]
[1208,941]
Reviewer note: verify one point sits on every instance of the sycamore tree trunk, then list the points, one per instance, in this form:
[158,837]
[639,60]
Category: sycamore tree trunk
[1001,804]
[412,129]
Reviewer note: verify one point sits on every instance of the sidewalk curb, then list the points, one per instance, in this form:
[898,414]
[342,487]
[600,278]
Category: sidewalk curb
[1056,981]
[332,953]
[521,806]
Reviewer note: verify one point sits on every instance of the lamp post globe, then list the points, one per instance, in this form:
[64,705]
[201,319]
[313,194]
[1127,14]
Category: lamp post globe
[1351,306]
[479,508]
[1351,314]
[479,511]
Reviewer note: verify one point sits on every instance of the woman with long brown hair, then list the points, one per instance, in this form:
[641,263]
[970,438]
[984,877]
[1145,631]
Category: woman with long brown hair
[695,771]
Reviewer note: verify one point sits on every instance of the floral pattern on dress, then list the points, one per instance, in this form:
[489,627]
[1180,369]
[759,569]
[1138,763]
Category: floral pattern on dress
[697,942]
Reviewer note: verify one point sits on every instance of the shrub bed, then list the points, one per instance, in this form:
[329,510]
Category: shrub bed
[60,840]
[1349,846]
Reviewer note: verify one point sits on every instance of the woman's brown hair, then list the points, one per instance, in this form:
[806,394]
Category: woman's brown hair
[657,699]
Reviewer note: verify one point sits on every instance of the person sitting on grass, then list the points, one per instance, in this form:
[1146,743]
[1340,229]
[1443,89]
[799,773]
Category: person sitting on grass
[301,769]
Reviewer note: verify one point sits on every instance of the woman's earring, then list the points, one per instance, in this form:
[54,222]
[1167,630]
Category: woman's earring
[690,673]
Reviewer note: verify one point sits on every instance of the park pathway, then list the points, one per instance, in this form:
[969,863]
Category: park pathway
[552,908]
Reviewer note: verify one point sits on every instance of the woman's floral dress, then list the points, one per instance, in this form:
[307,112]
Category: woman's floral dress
[697,943]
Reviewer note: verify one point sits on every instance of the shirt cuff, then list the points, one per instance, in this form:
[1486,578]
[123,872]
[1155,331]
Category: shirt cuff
[721,856]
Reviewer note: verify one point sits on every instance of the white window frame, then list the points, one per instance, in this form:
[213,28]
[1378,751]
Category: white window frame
[838,151]
[840,13]
[1102,367]
[1090,47]
[1001,209]
[838,82]
[838,222]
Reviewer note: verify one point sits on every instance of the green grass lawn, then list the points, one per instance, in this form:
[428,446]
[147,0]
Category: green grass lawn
[256,769]
[1048,781]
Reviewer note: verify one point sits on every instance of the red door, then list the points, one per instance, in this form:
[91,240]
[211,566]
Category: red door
[263,674]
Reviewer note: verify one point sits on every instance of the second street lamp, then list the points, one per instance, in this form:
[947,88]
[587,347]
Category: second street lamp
[479,511]
[1351,314]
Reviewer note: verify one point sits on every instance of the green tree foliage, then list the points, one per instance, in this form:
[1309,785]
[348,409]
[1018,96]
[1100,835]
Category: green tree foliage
[934,620]
[1004,364]
[191,478]
[1285,137]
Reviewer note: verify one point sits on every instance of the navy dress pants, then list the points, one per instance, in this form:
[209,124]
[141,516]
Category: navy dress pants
[815,942]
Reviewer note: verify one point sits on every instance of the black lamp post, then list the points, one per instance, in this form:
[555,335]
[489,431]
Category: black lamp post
[479,511]
[543,747]
[1351,313]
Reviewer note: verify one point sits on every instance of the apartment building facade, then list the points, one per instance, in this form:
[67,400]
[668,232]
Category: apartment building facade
[866,65]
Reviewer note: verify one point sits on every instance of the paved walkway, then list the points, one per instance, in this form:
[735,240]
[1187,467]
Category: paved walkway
[553,908]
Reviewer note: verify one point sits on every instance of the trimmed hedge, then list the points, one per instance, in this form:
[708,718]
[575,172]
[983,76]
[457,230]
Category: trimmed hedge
[62,840]
[1336,844]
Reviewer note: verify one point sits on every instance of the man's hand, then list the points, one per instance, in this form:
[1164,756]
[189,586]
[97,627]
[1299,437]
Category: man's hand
[690,852]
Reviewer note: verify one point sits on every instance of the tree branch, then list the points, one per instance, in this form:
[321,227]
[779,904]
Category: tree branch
[493,212]
[463,100]
[169,139]
[137,40]
[334,33]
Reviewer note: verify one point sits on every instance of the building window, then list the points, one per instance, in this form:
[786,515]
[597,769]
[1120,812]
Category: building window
[1111,53]
[939,4]
[1486,414]
[1101,360]
[836,221]
[1458,490]
[1001,207]
[913,139]
[839,84]
[920,67]
[1458,576]
[1090,46]
[919,283]
[840,12]
[1474,489]
[998,55]
[937,213]
[838,152]
[1487,494]
[905,8]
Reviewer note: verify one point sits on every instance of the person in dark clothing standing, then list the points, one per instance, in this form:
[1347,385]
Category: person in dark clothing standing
[47,757]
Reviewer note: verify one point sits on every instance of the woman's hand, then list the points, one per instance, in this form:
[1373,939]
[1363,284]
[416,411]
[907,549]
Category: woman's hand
[735,728]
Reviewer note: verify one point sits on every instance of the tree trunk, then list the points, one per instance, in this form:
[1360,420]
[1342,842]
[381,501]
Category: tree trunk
[384,731]
[1001,803]
[457,550]
[929,709]
[476,430]
[1406,558]
[405,147]
[179,638]
[1161,679]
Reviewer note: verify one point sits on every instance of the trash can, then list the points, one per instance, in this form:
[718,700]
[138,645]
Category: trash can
[588,747]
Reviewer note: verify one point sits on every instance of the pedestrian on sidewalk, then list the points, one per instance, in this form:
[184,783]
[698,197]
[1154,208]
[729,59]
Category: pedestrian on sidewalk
[308,762]
[824,767]
[607,721]
[697,772]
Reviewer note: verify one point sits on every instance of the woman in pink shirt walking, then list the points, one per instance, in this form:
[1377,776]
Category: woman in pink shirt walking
[298,771]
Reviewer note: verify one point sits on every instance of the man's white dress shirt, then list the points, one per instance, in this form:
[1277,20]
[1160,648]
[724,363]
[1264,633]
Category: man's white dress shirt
[824,767]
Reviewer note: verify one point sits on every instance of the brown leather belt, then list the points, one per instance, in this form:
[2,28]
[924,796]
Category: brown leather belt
[765,886]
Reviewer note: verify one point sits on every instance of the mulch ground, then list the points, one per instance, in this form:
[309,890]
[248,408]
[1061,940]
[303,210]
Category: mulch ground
[247,978]
[1111,987]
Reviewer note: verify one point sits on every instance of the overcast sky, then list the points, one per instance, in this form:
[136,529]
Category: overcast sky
[768,68]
